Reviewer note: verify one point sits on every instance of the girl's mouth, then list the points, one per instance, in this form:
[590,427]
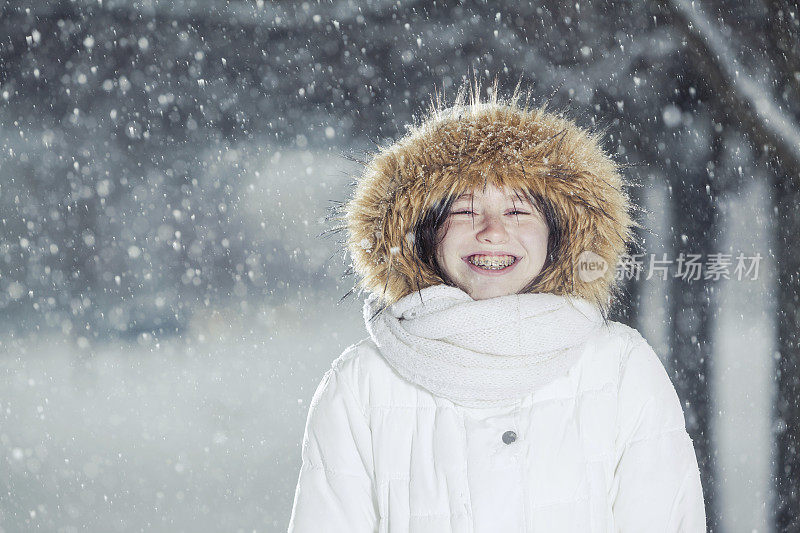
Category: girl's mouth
[492,265]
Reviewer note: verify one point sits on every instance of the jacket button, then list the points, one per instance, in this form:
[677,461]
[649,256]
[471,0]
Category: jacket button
[509,437]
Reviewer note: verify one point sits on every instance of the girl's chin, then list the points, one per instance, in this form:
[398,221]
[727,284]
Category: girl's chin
[490,295]
[484,290]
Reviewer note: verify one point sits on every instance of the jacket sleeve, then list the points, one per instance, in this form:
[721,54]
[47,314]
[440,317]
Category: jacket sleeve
[335,489]
[656,485]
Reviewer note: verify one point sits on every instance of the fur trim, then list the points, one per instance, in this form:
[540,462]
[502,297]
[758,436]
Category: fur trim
[466,146]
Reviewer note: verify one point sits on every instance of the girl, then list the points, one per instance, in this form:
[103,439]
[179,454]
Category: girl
[493,394]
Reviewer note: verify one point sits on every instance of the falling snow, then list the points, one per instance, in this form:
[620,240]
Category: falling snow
[170,276]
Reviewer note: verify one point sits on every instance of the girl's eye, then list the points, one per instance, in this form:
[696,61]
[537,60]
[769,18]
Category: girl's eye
[515,212]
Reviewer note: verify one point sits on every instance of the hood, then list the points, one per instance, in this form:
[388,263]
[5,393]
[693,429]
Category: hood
[456,149]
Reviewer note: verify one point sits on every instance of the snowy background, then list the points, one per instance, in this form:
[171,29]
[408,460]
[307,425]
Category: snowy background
[167,306]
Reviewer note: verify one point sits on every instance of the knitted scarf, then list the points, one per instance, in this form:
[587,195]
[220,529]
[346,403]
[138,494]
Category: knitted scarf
[481,353]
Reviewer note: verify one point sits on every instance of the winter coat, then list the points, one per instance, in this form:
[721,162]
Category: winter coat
[601,449]
[604,449]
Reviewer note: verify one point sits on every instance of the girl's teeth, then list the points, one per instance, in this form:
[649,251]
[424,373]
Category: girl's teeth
[492,263]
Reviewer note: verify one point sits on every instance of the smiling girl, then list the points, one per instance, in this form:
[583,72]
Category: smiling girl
[493,393]
[494,243]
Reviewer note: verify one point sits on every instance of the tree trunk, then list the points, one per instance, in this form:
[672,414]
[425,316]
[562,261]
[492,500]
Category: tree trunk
[786,427]
[695,225]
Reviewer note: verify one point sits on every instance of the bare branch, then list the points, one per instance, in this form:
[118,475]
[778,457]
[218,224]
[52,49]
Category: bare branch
[771,124]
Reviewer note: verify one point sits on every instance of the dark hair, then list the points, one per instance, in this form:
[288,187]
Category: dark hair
[425,234]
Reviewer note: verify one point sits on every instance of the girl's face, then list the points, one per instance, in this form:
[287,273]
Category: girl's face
[493,243]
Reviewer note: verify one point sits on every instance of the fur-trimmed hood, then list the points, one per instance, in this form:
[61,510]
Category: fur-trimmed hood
[457,149]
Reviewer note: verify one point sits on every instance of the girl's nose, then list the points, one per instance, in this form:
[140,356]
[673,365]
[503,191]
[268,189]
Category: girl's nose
[493,230]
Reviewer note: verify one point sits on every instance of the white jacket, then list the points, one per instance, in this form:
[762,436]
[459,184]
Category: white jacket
[603,449]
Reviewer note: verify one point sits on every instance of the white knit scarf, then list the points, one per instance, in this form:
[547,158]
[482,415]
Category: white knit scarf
[481,353]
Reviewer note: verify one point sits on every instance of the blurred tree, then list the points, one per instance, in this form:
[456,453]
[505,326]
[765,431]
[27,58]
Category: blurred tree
[762,97]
